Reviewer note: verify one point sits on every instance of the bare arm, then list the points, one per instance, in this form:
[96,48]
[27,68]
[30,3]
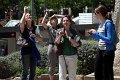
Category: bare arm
[43,21]
[22,21]
[73,42]
[72,39]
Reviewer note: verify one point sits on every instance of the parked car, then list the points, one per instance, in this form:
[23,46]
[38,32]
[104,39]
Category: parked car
[12,23]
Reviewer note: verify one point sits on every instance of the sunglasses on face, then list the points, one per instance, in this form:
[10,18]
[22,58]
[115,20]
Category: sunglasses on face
[96,13]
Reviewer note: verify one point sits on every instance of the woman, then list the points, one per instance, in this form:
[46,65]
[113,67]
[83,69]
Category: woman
[68,59]
[29,54]
[106,36]
[52,56]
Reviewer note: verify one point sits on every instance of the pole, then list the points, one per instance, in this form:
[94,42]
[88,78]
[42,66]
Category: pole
[32,9]
[44,7]
[19,10]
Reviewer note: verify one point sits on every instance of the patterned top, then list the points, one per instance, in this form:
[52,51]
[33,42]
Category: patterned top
[101,30]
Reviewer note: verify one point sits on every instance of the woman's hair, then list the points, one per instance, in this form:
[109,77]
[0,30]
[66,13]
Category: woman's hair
[32,23]
[69,18]
[104,12]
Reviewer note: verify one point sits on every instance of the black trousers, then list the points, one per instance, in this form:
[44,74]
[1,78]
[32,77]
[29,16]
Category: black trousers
[104,65]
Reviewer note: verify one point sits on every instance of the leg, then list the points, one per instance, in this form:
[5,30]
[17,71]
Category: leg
[25,66]
[52,58]
[33,64]
[108,65]
[62,68]
[98,66]
[72,66]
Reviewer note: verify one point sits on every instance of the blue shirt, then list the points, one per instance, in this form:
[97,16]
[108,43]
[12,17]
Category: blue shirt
[109,35]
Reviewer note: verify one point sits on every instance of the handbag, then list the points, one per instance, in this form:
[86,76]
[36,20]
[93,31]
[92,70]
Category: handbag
[59,50]
[22,42]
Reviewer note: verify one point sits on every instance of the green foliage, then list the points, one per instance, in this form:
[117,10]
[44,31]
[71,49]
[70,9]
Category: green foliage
[44,61]
[76,5]
[9,65]
[86,57]
[41,70]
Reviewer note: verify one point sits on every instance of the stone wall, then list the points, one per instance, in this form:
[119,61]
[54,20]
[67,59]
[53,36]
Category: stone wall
[116,19]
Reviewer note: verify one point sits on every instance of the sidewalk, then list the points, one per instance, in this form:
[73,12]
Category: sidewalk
[78,77]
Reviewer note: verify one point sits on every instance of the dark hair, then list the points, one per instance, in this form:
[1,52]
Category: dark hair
[109,15]
[67,16]
[104,12]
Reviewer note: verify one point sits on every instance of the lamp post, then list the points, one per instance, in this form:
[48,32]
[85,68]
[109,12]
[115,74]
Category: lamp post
[19,9]
[32,9]
[44,7]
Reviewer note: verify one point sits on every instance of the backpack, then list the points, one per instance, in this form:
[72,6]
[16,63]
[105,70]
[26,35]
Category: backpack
[115,36]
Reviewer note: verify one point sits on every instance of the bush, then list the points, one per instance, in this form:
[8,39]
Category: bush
[42,67]
[44,61]
[41,70]
[86,57]
[9,65]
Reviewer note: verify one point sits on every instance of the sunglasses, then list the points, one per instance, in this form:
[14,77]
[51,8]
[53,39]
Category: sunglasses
[96,13]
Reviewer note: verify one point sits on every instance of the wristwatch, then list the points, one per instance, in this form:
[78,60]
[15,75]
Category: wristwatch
[70,37]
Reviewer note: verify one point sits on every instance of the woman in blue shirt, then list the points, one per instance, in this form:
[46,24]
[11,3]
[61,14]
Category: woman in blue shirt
[105,36]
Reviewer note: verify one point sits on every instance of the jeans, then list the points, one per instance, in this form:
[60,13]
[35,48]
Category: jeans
[28,67]
[104,65]
[67,63]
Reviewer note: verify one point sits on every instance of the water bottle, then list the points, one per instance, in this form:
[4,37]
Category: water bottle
[37,31]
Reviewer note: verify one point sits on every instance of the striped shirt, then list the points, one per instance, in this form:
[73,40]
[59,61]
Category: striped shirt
[101,30]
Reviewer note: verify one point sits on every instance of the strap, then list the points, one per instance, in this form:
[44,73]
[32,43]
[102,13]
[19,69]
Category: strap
[65,63]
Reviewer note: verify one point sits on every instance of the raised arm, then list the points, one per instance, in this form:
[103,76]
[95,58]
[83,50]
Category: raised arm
[43,21]
[22,21]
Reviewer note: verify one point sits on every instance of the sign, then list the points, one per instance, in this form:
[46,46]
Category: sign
[85,18]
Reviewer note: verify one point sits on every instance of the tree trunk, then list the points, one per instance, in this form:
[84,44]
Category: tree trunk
[116,19]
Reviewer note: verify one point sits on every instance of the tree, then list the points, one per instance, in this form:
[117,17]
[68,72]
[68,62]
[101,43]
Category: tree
[77,6]
[3,8]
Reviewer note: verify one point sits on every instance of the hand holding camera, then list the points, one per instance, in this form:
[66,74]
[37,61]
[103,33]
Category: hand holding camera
[61,32]
[26,9]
